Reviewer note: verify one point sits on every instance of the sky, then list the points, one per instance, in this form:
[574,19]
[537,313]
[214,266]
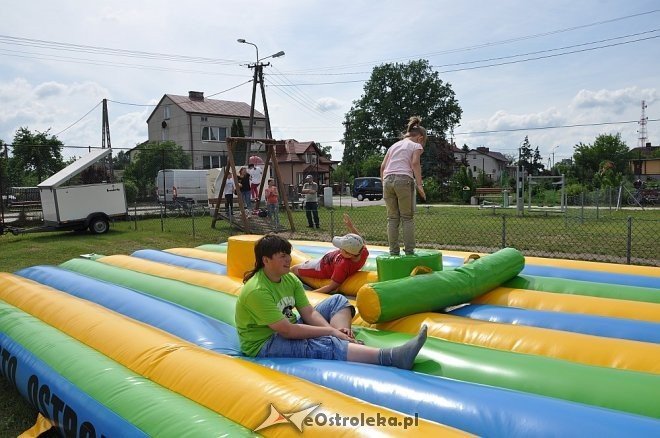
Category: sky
[507,61]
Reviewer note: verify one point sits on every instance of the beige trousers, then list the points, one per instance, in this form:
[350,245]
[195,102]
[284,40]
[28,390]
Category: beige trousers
[399,195]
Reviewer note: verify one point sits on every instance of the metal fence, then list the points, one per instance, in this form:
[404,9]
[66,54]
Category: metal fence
[629,237]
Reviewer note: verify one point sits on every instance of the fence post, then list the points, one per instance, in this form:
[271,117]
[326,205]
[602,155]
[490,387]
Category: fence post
[135,216]
[503,231]
[332,222]
[192,215]
[597,202]
[582,207]
[629,242]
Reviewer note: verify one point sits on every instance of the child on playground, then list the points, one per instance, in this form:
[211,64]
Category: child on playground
[272,202]
[267,326]
[337,265]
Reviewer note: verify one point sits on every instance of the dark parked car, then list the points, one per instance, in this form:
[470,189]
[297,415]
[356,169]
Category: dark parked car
[369,187]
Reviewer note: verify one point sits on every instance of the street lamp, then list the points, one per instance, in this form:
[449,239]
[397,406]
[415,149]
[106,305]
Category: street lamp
[552,152]
[258,79]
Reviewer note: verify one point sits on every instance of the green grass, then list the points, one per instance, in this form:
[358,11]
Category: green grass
[462,228]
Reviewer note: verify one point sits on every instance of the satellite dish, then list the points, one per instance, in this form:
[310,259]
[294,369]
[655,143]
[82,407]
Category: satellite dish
[164,124]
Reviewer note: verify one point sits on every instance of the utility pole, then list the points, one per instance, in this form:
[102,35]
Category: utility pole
[258,78]
[105,134]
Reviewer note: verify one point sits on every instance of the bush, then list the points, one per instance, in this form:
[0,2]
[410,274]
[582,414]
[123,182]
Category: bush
[131,190]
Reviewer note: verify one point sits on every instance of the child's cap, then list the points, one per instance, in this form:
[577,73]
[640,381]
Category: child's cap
[351,243]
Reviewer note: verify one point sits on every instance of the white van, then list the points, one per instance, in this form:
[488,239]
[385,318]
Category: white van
[188,184]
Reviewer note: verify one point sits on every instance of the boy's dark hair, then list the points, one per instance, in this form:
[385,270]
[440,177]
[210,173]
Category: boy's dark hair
[267,246]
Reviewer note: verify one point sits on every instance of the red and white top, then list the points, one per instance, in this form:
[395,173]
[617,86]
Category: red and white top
[333,266]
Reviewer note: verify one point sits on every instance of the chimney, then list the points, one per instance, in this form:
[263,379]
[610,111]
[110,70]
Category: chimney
[196,95]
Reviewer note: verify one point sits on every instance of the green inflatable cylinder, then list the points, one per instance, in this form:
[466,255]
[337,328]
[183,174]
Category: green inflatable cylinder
[394,267]
[390,300]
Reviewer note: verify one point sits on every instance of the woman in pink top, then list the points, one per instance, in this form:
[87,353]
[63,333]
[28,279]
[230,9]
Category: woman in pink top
[401,172]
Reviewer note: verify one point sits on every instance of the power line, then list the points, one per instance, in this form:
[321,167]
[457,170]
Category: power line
[74,123]
[490,44]
[588,49]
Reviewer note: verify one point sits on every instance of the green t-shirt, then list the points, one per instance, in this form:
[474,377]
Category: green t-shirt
[263,302]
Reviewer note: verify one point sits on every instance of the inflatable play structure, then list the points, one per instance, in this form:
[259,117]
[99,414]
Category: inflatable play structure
[145,345]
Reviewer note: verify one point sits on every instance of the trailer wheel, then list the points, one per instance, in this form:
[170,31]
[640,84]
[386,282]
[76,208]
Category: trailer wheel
[99,225]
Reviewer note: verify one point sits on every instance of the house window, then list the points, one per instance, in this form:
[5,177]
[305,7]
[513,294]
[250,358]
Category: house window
[474,168]
[205,119]
[166,112]
[210,161]
[310,158]
[213,133]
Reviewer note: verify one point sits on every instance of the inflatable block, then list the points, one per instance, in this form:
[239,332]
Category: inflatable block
[393,267]
[389,300]
[240,254]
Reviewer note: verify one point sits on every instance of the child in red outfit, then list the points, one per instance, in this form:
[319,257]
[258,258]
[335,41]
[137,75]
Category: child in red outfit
[339,264]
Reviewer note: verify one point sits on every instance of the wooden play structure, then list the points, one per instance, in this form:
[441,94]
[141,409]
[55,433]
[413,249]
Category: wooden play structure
[252,225]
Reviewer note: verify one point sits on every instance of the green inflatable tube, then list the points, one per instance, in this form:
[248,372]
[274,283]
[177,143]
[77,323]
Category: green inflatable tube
[390,300]
[599,386]
[111,384]
[629,391]
[577,287]
[217,305]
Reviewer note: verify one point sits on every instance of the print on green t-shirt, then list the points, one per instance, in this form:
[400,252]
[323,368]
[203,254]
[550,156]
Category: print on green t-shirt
[263,302]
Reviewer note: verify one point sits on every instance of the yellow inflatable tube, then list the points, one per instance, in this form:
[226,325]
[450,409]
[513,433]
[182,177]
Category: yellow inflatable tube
[575,347]
[528,299]
[217,257]
[239,390]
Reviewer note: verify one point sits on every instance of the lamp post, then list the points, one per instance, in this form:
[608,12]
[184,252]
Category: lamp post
[520,184]
[552,152]
[258,78]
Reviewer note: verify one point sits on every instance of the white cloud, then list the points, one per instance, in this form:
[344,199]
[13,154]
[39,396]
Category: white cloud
[616,101]
[327,104]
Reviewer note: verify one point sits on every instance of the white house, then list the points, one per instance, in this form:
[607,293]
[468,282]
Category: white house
[200,125]
[481,159]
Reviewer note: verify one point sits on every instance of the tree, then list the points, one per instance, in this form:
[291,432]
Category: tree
[325,151]
[393,93]
[589,158]
[35,156]
[152,157]
[121,160]
[537,162]
[371,165]
[438,160]
[525,156]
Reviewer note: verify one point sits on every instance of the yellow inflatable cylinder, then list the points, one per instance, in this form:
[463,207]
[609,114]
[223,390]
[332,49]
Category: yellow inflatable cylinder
[240,254]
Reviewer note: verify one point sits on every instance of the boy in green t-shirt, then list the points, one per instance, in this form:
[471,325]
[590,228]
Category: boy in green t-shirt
[267,326]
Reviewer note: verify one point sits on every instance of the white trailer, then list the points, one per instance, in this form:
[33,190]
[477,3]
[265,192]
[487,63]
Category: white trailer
[79,207]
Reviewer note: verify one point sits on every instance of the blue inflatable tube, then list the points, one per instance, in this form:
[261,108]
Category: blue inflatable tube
[57,398]
[186,262]
[594,276]
[443,400]
[182,322]
[479,409]
[572,322]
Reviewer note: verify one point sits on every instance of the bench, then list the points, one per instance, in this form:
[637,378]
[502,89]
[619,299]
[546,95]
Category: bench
[488,192]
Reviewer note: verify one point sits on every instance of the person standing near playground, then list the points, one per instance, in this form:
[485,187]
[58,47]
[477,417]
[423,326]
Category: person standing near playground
[244,187]
[267,326]
[337,265]
[310,190]
[230,188]
[401,172]
[255,179]
[272,202]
